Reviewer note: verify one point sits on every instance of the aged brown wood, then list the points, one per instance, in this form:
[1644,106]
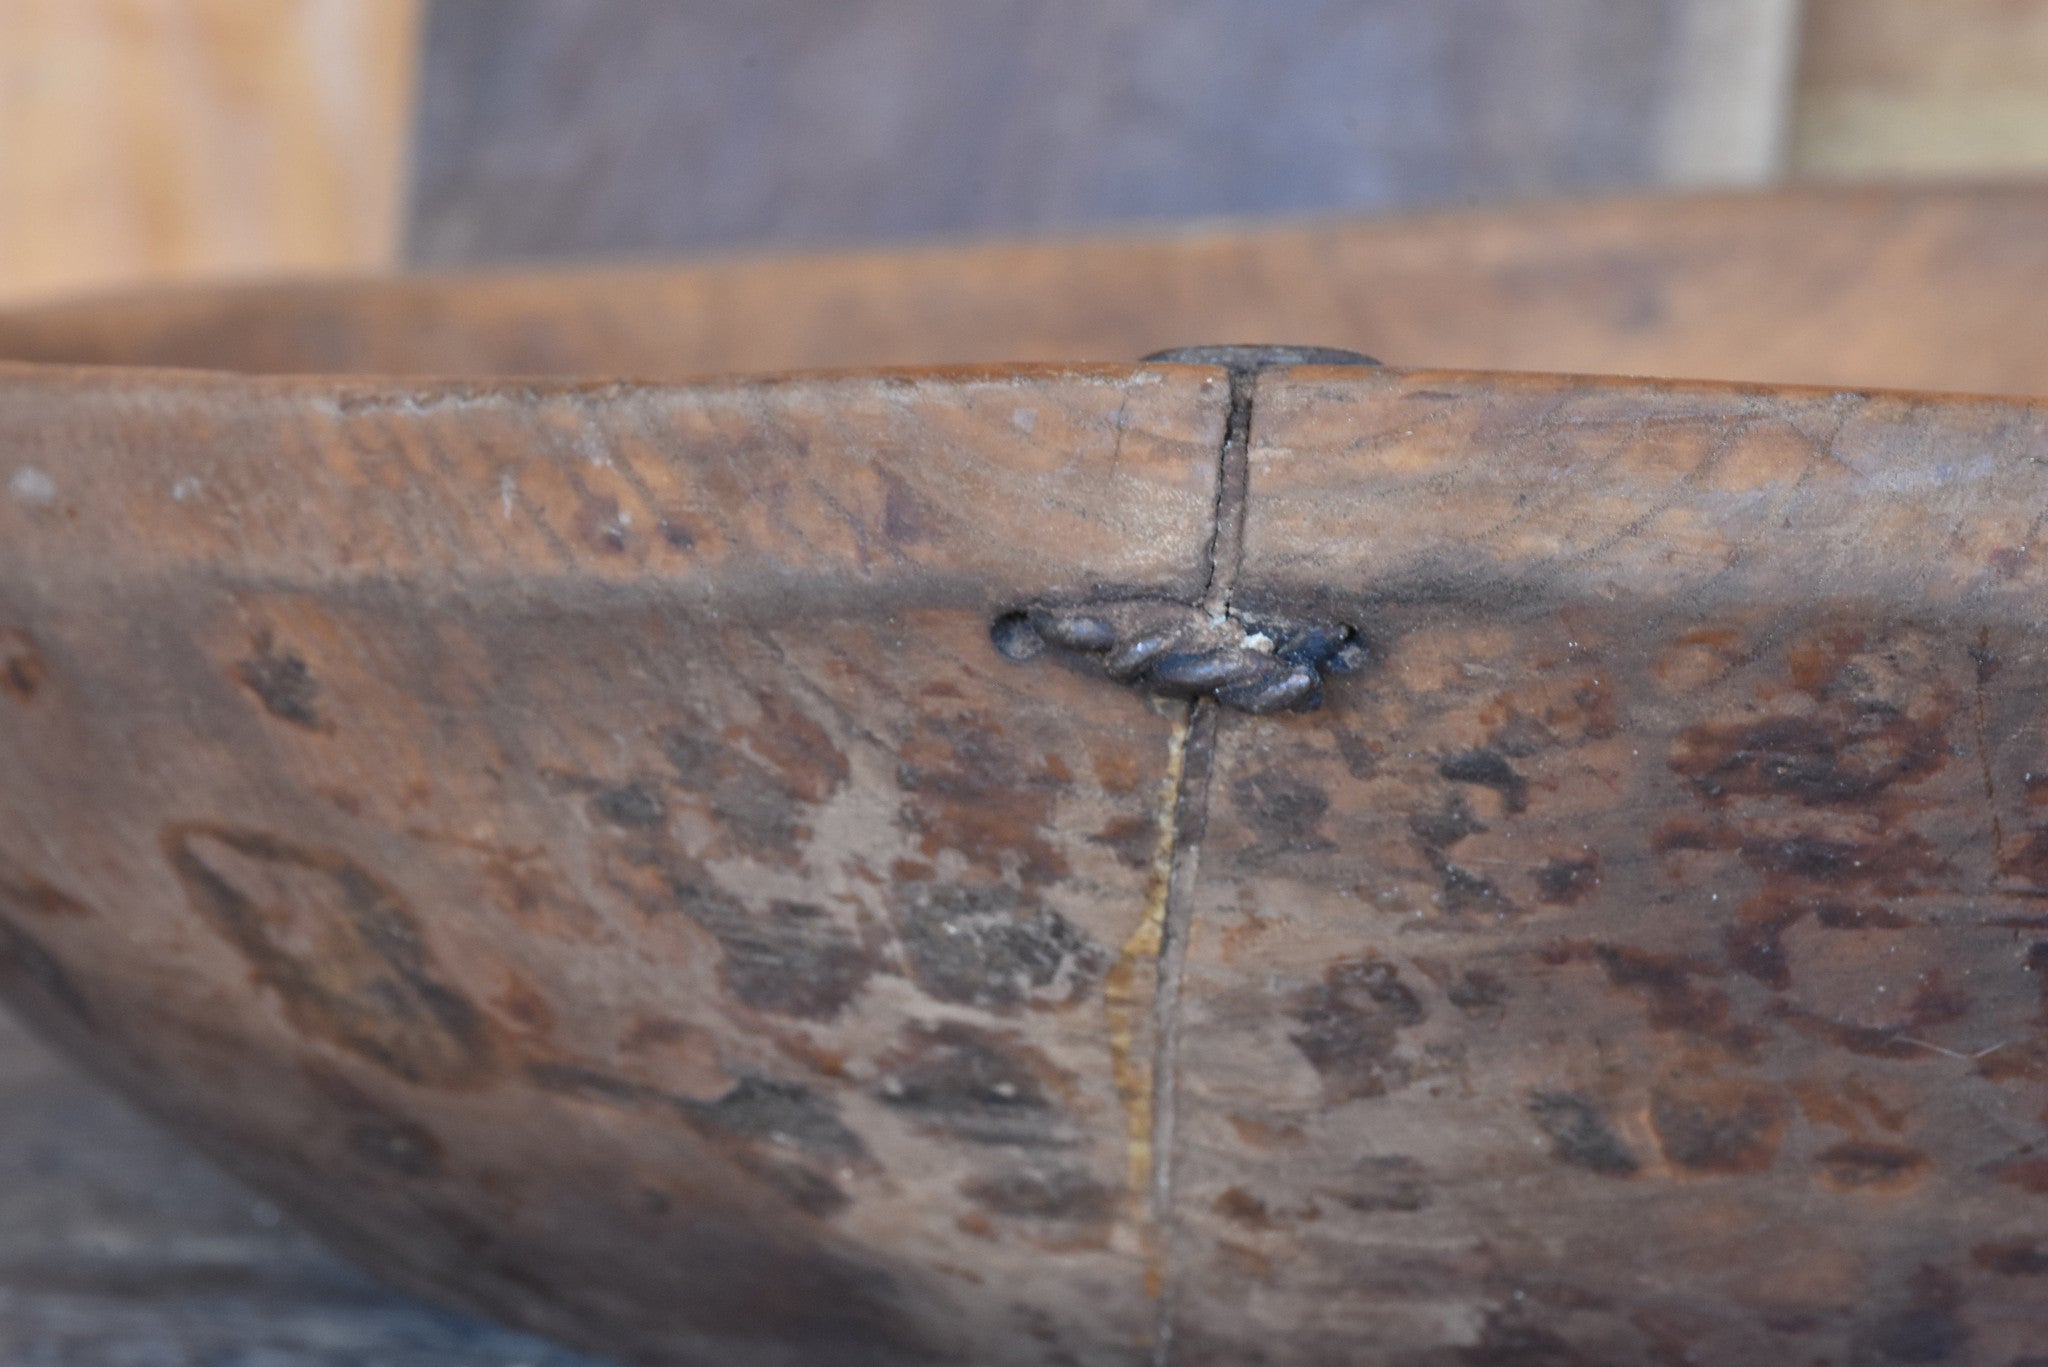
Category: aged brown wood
[1909,288]
[1644,963]
[578,846]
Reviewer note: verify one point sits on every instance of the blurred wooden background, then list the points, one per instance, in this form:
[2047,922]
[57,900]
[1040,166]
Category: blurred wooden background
[146,140]
[158,140]
[166,139]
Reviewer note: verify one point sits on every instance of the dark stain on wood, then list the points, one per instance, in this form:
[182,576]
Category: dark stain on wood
[1805,759]
[634,806]
[1383,1183]
[281,681]
[374,987]
[1718,1126]
[788,959]
[1284,808]
[967,789]
[1462,890]
[1349,1028]
[1459,888]
[1131,838]
[1566,882]
[1488,769]
[533,895]
[758,780]
[987,946]
[769,1110]
[1445,826]
[1581,1134]
[1865,1165]
[22,670]
[1478,991]
[1668,986]
[1054,1192]
[981,1086]
[1879,721]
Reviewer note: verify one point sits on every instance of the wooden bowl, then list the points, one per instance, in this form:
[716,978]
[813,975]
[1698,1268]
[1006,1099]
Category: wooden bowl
[832,869]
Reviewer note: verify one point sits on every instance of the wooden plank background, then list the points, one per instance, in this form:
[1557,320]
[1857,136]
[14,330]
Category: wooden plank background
[1921,87]
[155,140]
[164,139]
[151,140]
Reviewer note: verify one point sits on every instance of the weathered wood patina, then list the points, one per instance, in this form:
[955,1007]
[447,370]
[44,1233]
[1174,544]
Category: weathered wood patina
[683,866]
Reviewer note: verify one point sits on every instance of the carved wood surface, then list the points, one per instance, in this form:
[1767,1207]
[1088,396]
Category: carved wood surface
[579,847]
[1648,947]
[810,893]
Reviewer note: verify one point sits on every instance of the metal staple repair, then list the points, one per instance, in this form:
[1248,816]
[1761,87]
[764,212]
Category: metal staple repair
[1177,650]
[1182,650]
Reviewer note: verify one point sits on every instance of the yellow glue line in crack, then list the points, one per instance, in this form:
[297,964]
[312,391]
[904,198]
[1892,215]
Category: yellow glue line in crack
[1128,994]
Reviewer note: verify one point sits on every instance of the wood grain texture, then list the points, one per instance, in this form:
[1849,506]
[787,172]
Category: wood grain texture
[1639,963]
[1903,87]
[552,128]
[814,950]
[570,843]
[1913,288]
[153,140]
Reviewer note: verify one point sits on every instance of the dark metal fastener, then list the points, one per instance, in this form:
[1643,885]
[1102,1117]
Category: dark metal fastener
[1174,649]
[1186,650]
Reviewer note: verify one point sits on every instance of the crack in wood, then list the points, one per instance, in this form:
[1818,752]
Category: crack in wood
[1163,934]
[1189,821]
[1130,997]
[1233,483]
